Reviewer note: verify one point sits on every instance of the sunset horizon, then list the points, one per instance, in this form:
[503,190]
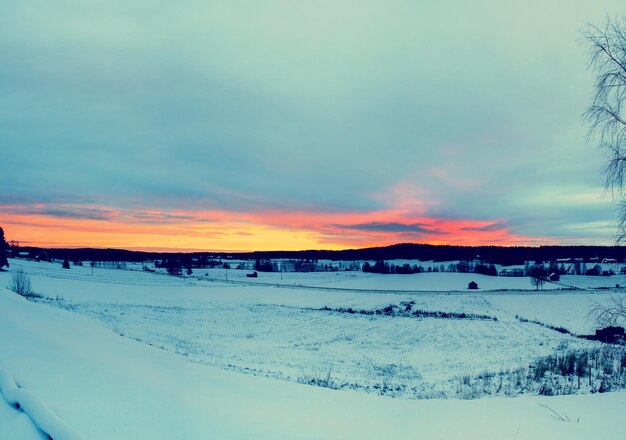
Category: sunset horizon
[302,126]
[215,232]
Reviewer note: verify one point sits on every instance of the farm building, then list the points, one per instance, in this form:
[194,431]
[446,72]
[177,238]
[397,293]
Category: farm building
[610,334]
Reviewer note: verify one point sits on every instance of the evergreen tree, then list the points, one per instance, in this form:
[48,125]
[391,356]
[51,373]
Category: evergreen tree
[380,267]
[174,267]
[3,250]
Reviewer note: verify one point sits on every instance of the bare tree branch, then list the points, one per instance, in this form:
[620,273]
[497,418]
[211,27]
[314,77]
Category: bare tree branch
[608,314]
[607,122]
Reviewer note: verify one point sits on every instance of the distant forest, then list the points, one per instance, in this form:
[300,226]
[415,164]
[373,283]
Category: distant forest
[404,251]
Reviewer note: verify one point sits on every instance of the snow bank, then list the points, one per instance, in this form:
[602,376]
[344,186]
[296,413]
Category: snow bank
[15,424]
[40,414]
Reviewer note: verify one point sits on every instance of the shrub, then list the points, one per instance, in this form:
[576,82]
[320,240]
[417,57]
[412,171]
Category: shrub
[543,324]
[405,310]
[20,284]
[594,370]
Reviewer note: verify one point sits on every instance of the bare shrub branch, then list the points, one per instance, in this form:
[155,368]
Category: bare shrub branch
[555,415]
[20,284]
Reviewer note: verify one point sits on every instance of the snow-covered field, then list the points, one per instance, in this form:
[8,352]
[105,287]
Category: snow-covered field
[276,328]
[356,280]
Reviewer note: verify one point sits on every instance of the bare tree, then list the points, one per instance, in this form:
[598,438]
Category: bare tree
[537,282]
[608,314]
[606,118]
[538,275]
[607,122]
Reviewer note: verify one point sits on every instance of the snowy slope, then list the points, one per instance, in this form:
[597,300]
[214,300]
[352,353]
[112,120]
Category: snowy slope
[106,386]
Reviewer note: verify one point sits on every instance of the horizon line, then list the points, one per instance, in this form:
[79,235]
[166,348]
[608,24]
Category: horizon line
[192,250]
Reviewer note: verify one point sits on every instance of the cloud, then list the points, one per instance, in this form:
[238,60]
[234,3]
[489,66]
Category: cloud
[241,230]
[160,217]
[403,109]
[62,212]
[485,228]
[390,227]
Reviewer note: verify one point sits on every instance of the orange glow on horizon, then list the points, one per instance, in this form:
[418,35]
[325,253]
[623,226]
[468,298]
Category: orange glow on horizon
[217,230]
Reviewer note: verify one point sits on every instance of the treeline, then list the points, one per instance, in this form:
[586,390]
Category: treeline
[504,255]
[406,251]
[383,267]
[305,265]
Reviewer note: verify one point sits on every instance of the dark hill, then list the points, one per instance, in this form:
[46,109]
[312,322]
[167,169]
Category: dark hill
[492,254]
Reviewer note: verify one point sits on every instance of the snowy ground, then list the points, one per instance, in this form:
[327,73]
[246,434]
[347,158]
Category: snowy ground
[280,332]
[104,386]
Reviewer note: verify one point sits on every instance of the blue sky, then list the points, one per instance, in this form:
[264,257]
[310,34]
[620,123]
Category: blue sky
[276,124]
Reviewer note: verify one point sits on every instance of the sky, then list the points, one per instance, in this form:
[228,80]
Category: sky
[247,125]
